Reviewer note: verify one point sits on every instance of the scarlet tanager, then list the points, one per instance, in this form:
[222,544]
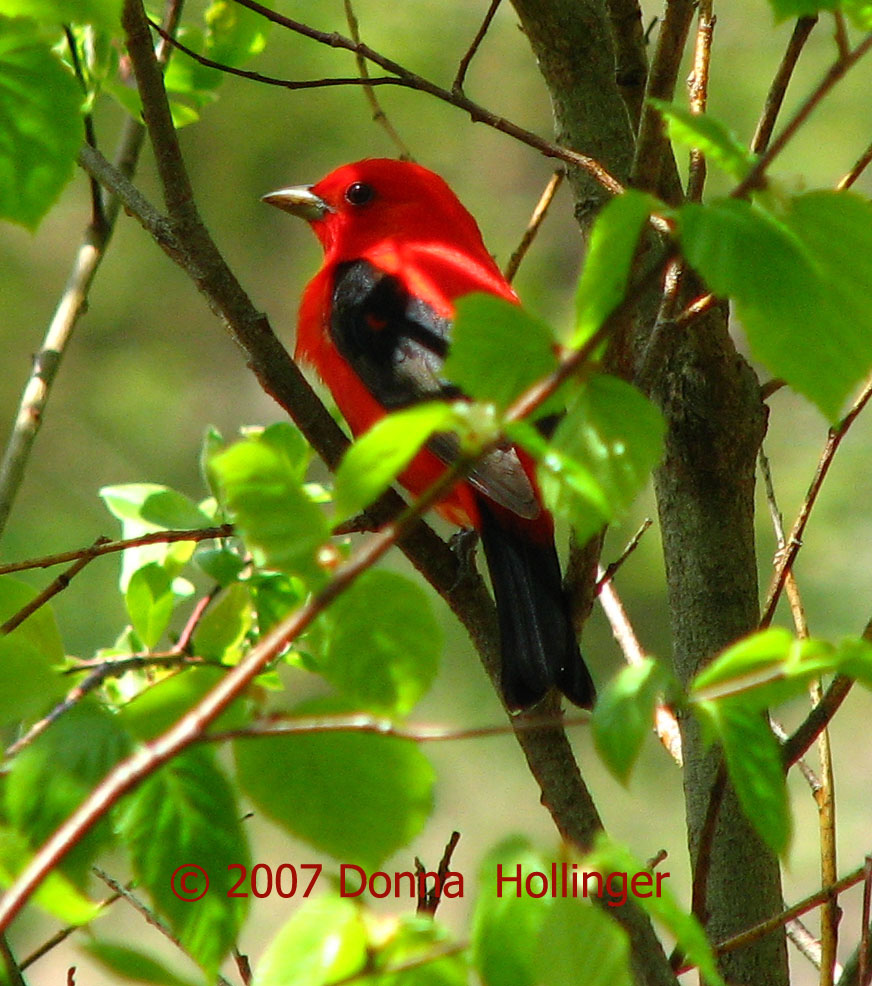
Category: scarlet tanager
[375,322]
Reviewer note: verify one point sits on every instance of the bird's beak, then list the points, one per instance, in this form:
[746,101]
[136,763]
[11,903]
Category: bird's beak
[300,201]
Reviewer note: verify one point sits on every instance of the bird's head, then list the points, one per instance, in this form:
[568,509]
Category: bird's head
[360,205]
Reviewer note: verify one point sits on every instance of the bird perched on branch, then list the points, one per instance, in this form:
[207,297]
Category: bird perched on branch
[375,323]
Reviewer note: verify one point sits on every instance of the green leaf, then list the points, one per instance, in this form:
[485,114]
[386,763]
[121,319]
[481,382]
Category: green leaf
[275,595]
[235,33]
[702,132]
[221,633]
[186,814]
[860,12]
[52,776]
[324,942]
[155,709]
[102,13]
[601,455]
[224,565]
[380,643]
[130,963]
[613,243]
[373,793]
[28,681]
[506,925]
[375,460]
[753,758]
[154,507]
[150,601]
[797,283]
[790,9]
[56,895]
[660,903]
[416,938]
[144,508]
[624,714]
[40,119]
[260,484]
[772,666]
[576,935]
[497,349]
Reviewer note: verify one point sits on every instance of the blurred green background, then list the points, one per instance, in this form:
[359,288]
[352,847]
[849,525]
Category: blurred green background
[150,368]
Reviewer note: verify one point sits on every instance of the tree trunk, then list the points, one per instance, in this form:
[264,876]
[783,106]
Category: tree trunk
[705,487]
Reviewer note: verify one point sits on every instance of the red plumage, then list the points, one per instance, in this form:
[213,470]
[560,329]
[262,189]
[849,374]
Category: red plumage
[375,321]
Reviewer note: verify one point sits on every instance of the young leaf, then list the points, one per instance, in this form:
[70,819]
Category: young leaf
[601,455]
[52,776]
[704,133]
[753,758]
[497,349]
[576,935]
[784,9]
[613,243]
[28,681]
[324,942]
[221,632]
[661,905]
[150,600]
[42,125]
[416,938]
[380,643]
[372,796]
[261,487]
[375,460]
[797,285]
[186,814]
[130,963]
[506,923]
[624,714]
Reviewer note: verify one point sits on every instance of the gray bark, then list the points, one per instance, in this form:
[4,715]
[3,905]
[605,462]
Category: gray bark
[705,487]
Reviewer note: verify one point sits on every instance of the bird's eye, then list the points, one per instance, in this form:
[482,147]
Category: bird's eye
[359,193]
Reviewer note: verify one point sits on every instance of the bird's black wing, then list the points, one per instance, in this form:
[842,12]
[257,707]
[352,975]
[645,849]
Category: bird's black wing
[396,343]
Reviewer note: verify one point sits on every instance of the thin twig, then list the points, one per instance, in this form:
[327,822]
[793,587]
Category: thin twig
[460,78]
[413,81]
[809,730]
[378,113]
[665,724]
[757,175]
[786,558]
[536,220]
[778,88]
[103,546]
[62,935]
[652,145]
[98,218]
[807,904]
[153,919]
[864,976]
[698,91]
[612,568]
[9,965]
[373,725]
[840,32]
[430,898]
[862,164]
[51,590]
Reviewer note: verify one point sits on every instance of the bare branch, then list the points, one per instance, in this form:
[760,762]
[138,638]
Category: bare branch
[778,88]
[460,78]
[536,220]
[478,113]
[756,176]
[785,559]
[378,114]
[698,89]
[631,55]
[862,164]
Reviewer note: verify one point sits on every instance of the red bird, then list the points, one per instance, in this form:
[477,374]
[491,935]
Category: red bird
[375,322]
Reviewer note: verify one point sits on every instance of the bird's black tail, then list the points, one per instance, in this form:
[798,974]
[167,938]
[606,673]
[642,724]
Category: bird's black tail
[537,640]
